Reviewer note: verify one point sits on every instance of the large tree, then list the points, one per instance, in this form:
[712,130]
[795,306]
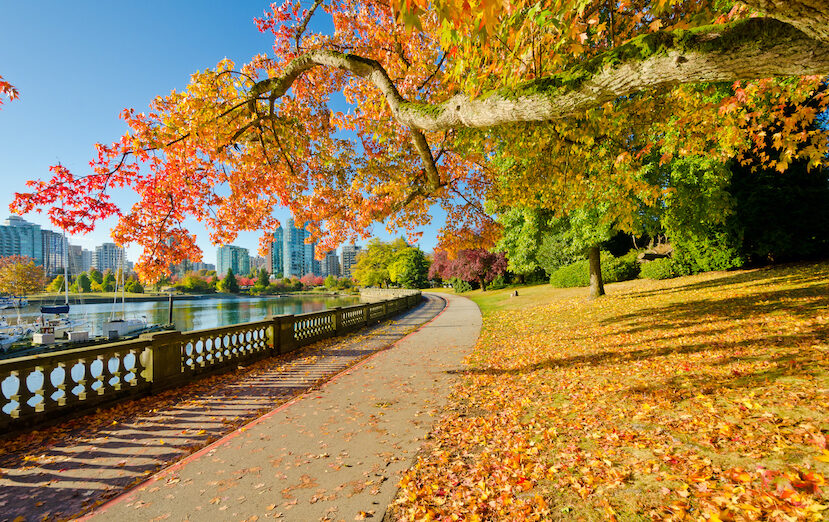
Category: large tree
[435,94]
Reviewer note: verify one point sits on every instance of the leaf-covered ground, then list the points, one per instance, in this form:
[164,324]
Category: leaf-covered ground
[699,398]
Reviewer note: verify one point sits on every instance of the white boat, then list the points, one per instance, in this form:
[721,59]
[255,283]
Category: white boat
[59,325]
[119,327]
[115,328]
[11,335]
[13,302]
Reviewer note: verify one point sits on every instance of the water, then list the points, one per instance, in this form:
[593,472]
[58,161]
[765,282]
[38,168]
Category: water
[188,315]
[193,314]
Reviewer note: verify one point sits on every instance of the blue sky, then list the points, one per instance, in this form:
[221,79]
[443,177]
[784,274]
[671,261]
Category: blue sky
[77,64]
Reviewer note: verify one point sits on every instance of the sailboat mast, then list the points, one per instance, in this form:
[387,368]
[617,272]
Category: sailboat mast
[65,269]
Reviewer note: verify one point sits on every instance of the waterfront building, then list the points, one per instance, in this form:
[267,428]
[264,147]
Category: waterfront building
[276,251]
[297,255]
[257,262]
[86,260]
[80,260]
[108,256]
[234,258]
[53,245]
[348,258]
[203,266]
[18,237]
[331,264]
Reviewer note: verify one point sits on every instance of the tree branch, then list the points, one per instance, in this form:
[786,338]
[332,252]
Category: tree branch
[809,16]
[748,49]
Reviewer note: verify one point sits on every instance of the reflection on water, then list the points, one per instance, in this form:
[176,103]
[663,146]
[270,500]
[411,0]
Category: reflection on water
[195,314]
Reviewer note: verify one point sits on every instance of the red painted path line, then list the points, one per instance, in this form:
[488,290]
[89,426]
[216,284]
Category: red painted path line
[130,493]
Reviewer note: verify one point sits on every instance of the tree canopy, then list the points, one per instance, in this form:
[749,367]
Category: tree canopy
[19,275]
[437,90]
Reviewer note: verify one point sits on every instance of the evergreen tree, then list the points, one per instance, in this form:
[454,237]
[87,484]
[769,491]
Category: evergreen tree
[229,283]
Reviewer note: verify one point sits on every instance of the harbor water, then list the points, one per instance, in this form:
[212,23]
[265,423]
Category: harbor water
[195,314]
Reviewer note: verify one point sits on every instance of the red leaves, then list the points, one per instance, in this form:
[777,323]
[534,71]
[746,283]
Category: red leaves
[8,90]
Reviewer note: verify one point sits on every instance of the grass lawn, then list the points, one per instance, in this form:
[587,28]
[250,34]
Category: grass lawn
[697,398]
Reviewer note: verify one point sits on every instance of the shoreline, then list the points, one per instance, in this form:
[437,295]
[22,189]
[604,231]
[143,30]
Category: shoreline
[78,299]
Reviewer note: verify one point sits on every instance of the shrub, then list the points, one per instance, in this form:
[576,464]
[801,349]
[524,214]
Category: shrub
[622,268]
[659,269]
[498,283]
[574,274]
[460,285]
[614,269]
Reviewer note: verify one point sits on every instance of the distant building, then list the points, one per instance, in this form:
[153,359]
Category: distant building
[108,256]
[203,266]
[297,256]
[53,245]
[80,259]
[276,250]
[75,259]
[348,258]
[86,260]
[257,262]
[18,237]
[234,258]
[331,264]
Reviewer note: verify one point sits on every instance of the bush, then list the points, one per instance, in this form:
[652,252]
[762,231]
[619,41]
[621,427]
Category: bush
[694,254]
[134,287]
[460,285]
[622,268]
[498,283]
[614,269]
[659,269]
[572,275]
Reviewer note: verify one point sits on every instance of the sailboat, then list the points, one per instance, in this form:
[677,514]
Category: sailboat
[61,325]
[119,327]
[64,308]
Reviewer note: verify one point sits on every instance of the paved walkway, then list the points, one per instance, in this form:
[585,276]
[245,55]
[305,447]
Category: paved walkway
[332,452]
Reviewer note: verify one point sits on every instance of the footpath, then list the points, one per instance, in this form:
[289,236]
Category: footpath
[305,447]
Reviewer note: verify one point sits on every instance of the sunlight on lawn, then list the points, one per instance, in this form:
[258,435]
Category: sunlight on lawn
[702,397]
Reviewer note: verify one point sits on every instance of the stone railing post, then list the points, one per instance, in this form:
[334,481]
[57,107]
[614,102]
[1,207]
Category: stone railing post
[365,314]
[287,341]
[273,334]
[338,321]
[164,366]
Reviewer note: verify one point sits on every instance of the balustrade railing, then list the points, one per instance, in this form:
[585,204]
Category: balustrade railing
[37,388]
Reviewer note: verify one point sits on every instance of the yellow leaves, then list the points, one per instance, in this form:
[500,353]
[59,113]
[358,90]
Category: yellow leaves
[591,402]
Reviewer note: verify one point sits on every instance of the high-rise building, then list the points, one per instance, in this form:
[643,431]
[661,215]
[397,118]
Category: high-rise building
[276,251]
[348,258]
[86,260]
[53,245]
[257,262]
[108,256]
[18,237]
[331,264]
[234,258]
[297,256]
[198,265]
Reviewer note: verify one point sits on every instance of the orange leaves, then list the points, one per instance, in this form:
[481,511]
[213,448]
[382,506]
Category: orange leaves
[662,400]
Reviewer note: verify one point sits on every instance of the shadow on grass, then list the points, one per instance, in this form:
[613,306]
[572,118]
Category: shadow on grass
[712,315]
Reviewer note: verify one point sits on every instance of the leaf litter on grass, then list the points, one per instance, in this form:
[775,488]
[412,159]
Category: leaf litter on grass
[699,398]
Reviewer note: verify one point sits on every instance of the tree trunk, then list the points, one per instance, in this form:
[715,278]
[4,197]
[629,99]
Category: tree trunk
[596,283]
[483,284]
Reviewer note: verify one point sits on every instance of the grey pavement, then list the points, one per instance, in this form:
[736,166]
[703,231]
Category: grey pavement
[61,472]
[335,453]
